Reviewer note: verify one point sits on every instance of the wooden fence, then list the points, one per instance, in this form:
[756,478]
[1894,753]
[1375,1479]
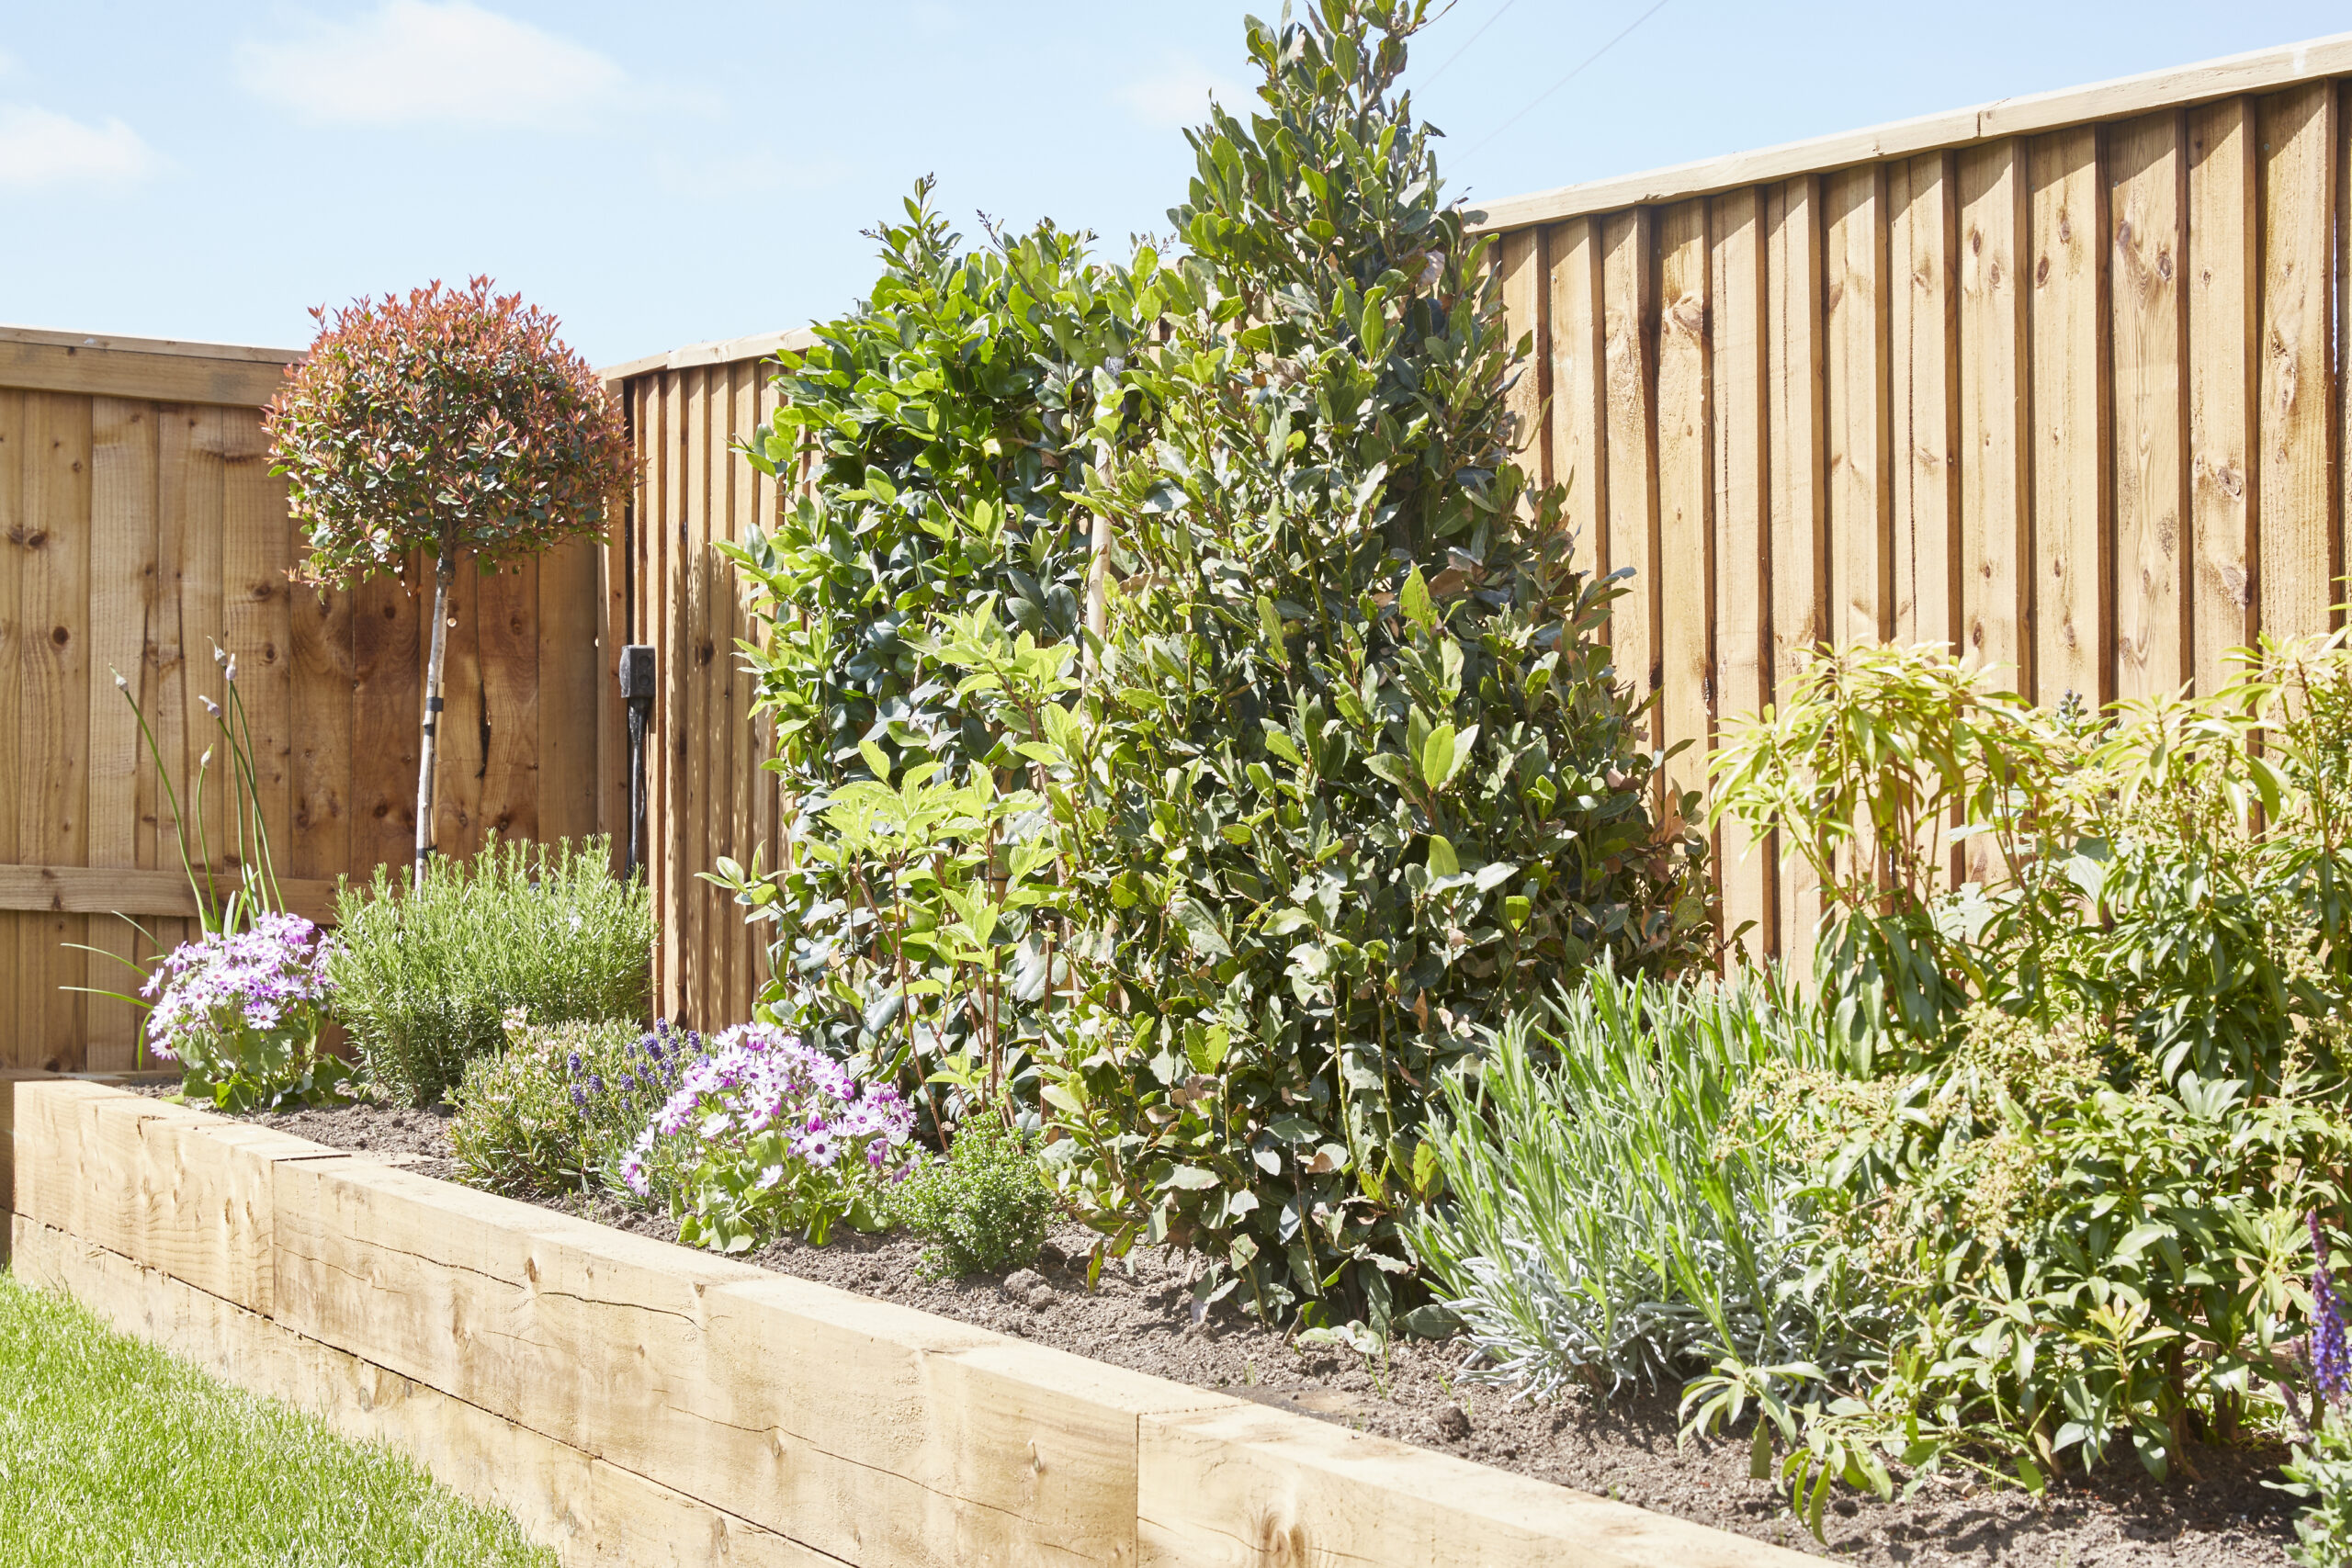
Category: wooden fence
[140,528]
[707,795]
[2056,380]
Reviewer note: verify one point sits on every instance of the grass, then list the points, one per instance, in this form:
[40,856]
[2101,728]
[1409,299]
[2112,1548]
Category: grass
[113,1451]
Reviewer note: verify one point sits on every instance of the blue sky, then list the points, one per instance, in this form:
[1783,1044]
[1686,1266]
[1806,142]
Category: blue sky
[661,174]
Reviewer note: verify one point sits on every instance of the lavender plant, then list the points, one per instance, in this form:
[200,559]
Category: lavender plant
[2320,1471]
[240,1011]
[559,1107]
[767,1134]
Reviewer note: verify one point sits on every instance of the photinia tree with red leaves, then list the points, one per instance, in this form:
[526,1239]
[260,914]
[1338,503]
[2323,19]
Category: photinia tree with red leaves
[452,422]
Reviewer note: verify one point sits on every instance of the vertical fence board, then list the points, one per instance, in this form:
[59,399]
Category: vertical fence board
[1521,270]
[1996,440]
[123,582]
[258,619]
[569,666]
[1859,468]
[1743,568]
[1797,486]
[2073,589]
[1580,451]
[55,615]
[2295,574]
[509,650]
[1686,525]
[2224,333]
[18,1047]
[386,708]
[1628,326]
[2147,170]
[1924,334]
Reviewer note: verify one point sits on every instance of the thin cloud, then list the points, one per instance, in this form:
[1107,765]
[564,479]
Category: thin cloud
[41,150]
[446,62]
[1179,93]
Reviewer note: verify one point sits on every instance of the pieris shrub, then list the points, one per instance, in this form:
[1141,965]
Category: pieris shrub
[1622,1206]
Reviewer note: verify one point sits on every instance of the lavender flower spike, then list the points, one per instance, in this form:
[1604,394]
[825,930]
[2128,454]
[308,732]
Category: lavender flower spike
[2329,1364]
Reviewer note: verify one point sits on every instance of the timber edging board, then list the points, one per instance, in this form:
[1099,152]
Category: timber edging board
[634,1402]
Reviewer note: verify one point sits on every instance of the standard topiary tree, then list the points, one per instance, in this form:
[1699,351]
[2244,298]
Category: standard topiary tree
[452,421]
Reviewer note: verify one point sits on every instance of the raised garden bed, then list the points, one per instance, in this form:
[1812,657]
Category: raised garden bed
[1140,1321]
[631,1401]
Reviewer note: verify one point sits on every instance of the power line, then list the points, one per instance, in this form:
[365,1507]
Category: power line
[1474,38]
[1564,81]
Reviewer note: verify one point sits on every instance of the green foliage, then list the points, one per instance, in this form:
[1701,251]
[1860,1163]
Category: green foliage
[1347,768]
[2321,1473]
[526,1122]
[1356,777]
[454,419]
[425,978]
[948,418]
[2088,1101]
[985,1207]
[1620,1199]
[116,1453]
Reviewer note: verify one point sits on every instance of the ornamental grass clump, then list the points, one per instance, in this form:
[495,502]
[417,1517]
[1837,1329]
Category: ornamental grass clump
[559,1108]
[240,1011]
[425,978]
[766,1135]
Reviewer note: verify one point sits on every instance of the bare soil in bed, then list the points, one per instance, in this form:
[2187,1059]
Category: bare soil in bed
[1140,1317]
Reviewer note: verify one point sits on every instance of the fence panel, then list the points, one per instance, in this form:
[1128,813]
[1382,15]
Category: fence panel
[140,530]
[2057,380]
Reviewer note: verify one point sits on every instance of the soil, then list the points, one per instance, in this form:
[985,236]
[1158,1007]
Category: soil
[1140,1316]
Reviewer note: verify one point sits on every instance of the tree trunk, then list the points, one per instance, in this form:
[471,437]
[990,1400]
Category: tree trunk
[444,574]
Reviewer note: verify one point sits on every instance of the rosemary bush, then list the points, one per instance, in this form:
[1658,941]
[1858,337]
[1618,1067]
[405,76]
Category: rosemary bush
[425,978]
[1622,1206]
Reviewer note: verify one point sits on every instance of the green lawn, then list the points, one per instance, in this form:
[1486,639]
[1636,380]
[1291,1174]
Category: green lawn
[113,1453]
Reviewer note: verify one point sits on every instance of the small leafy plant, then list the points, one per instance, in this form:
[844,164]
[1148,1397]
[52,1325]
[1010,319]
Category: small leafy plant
[425,978]
[767,1134]
[240,1011]
[559,1108]
[985,1207]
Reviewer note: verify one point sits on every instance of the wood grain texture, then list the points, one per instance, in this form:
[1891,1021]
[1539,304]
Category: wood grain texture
[1924,382]
[1580,442]
[1795,363]
[1522,274]
[1743,559]
[1686,575]
[2147,170]
[387,701]
[1629,346]
[2073,515]
[257,543]
[2301,541]
[137,891]
[53,718]
[1996,415]
[1861,458]
[123,574]
[507,615]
